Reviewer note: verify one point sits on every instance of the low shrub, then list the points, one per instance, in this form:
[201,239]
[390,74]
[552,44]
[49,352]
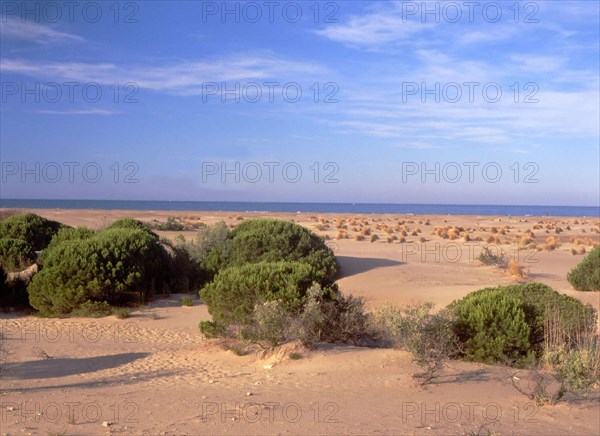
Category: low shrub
[507,322]
[427,336]
[119,266]
[586,275]
[36,231]
[487,257]
[186,301]
[493,329]
[122,313]
[15,254]
[266,240]
[233,294]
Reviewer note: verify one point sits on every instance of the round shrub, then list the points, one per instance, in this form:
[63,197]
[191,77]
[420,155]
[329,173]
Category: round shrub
[586,275]
[65,234]
[265,240]
[535,300]
[15,254]
[33,229]
[118,266]
[492,328]
[132,224]
[233,294]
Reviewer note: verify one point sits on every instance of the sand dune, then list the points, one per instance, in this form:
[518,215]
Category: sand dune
[154,373]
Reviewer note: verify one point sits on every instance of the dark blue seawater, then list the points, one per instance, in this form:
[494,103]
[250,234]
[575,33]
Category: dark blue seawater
[440,209]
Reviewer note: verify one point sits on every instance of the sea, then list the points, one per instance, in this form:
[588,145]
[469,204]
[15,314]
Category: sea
[362,208]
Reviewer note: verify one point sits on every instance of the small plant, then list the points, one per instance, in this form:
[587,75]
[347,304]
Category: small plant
[487,257]
[186,301]
[515,269]
[210,329]
[428,337]
[122,313]
[374,238]
[586,275]
[296,356]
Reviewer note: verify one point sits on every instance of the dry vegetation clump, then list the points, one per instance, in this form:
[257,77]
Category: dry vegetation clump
[526,241]
[516,270]
[359,237]
[341,234]
[477,238]
[374,238]
[551,243]
[401,240]
[321,227]
[422,239]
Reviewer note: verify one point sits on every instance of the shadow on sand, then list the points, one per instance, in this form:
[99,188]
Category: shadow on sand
[350,266]
[63,367]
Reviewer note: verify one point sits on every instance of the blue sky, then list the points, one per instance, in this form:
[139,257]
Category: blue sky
[388,90]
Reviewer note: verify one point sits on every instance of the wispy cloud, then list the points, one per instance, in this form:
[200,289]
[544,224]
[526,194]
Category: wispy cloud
[33,32]
[184,78]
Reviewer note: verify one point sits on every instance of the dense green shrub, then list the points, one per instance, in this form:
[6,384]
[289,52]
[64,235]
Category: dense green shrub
[586,275]
[493,328]
[131,224]
[534,300]
[234,292]
[33,229]
[266,240]
[15,254]
[119,266]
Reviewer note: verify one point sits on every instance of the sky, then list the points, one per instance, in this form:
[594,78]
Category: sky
[340,101]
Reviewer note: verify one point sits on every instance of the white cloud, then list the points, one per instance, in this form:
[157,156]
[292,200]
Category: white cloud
[184,78]
[24,30]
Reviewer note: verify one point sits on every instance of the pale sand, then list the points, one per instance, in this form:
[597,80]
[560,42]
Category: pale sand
[153,376]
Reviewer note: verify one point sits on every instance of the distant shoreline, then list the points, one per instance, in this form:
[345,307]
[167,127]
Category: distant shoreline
[338,208]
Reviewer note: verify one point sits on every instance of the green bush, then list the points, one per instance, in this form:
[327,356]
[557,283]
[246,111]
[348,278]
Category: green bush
[586,275]
[493,329]
[186,301]
[265,240]
[33,229]
[234,292]
[210,329]
[15,254]
[131,224]
[534,300]
[118,266]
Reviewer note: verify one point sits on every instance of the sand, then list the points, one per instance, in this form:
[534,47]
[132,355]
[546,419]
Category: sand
[154,373]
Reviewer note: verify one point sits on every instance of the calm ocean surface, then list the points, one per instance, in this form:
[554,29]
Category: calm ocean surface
[443,209]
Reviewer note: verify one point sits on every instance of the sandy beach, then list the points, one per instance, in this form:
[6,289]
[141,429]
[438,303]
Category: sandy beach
[154,373]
